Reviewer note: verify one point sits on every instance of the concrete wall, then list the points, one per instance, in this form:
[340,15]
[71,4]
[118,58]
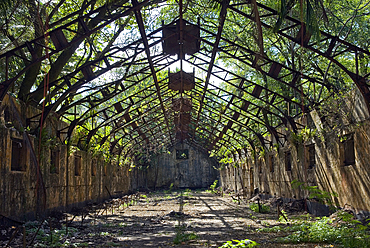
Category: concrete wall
[26,192]
[330,172]
[22,195]
[198,171]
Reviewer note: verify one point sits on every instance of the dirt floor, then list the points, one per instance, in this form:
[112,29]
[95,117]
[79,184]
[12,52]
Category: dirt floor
[196,218]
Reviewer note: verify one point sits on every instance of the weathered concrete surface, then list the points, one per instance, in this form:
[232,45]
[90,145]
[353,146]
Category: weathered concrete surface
[22,195]
[330,173]
[198,171]
[63,190]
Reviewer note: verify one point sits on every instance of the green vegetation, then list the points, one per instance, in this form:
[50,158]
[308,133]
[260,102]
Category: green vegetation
[109,244]
[55,239]
[169,191]
[183,236]
[259,209]
[323,196]
[247,243]
[283,217]
[97,100]
[187,192]
[343,231]
[323,231]
[212,189]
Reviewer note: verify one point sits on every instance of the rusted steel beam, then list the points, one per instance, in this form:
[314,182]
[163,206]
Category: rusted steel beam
[279,79]
[228,105]
[321,48]
[206,144]
[96,63]
[127,110]
[135,127]
[215,48]
[4,86]
[135,138]
[244,125]
[129,121]
[135,141]
[214,111]
[254,57]
[244,107]
[249,82]
[144,38]
[74,88]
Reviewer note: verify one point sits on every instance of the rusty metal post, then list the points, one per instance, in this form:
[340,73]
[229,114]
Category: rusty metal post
[51,232]
[24,237]
[12,237]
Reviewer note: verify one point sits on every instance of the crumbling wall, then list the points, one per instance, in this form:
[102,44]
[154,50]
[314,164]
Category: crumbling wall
[330,171]
[63,186]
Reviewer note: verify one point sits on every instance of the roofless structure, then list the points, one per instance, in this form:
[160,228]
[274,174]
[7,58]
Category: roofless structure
[133,79]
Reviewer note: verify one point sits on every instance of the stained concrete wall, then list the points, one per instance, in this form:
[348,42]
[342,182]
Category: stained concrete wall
[22,195]
[197,171]
[330,173]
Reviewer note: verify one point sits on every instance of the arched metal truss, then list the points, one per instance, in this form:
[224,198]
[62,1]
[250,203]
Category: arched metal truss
[136,108]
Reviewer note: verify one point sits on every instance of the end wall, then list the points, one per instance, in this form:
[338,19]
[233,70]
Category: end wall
[197,171]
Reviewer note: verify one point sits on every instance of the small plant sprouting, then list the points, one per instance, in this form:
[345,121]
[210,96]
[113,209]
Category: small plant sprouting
[247,243]
[283,217]
[182,236]
[169,191]
[212,188]
[262,208]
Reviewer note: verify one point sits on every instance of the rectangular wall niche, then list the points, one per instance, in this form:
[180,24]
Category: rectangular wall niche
[77,165]
[271,163]
[182,154]
[93,167]
[54,161]
[311,156]
[349,149]
[19,155]
[288,161]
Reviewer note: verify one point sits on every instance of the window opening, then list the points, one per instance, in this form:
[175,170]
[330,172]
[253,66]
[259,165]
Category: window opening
[182,154]
[288,161]
[349,149]
[105,169]
[77,165]
[93,167]
[19,155]
[259,163]
[271,163]
[7,116]
[311,156]
[54,161]
[113,169]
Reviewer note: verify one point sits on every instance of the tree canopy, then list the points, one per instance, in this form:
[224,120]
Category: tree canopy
[259,67]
